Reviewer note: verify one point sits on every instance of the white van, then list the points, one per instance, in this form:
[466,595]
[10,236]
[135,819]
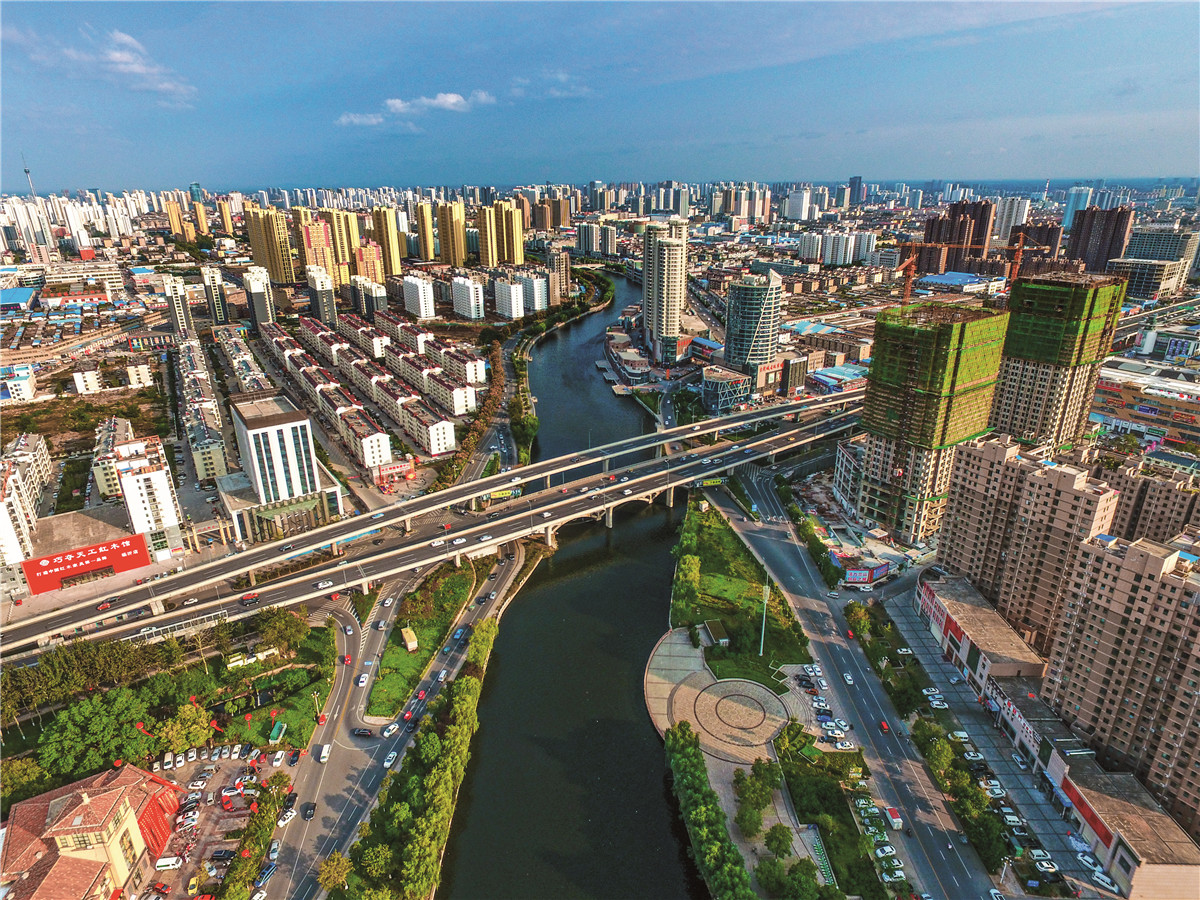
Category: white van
[442,677]
[324,754]
[167,863]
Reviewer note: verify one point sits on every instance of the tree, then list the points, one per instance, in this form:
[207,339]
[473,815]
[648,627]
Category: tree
[772,877]
[940,755]
[748,819]
[987,834]
[281,629]
[334,871]
[22,778]
[188,728]
[428,748]
[857,618]
[377,860]
[779,840]
[768,772]
[89,734]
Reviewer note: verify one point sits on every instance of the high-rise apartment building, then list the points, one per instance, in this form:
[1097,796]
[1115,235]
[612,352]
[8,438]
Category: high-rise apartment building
[664,286]
[322,302]
[367,297]
[558,262]
[967,227]
[418,297]
[387,235]
[608,241]
[276,444]
[267,231]
[930,389]
[468,297]
[535,290]
[367,262]
[587,239]
[257,282]
[485,221]
[1098,235]
[1167,242]
[214,294]
[452,234]
[1013,524]
[752,322]
[318,251]
[510,233]
[226,217]
[1010,211]
[174,217]
[509,299]
[201,216]
[343,229]
[424,224]
[1124,668]
[560,212]
[177,305]
[144,475]
[1060,329]
[1078,197]
[856,190]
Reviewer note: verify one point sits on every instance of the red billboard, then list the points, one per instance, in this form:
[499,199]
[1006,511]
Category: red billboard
[46,573]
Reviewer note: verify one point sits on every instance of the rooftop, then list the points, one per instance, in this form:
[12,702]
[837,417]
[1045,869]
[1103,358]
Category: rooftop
[265,412]
[986,627]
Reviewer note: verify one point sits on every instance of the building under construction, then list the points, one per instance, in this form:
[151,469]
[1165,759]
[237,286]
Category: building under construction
[1060,329]
[930,388]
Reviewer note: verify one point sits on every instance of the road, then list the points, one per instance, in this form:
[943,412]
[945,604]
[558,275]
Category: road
[935,859]
[210,580]
[346,787]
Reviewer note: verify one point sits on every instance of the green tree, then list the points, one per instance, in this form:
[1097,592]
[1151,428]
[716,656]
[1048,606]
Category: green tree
[282,629]
[22,778]
[428,748]
[772,877]
[857,618]
[768,772]
[89,734]
[377,860]
[748,819]
[802,880]
[779,839]
[334,871]
[188,728]
[987,834]
[940,755]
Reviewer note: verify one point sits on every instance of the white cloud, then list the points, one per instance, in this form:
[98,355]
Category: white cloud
[360,119]
[117,55]
[444,101]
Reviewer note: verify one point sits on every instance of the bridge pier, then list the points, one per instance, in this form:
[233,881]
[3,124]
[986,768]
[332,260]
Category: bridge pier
[659,450]
[604,465]
[458,560]
[365,587]
[548,537]
[670,497]
[608,517]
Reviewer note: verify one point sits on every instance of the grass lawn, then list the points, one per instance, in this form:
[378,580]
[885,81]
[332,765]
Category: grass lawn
[429,610]
[69,422]
[730,589]
[652,400]
[74,477]
[363,603]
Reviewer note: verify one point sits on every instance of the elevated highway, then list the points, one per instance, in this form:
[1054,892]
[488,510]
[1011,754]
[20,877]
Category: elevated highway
[426,530]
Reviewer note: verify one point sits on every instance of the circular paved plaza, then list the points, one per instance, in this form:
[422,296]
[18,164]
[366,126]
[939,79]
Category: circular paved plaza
[735,719]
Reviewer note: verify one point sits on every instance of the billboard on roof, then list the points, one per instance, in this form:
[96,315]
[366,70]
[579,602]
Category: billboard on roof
[48,573]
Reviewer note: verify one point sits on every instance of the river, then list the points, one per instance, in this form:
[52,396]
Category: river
[566,794]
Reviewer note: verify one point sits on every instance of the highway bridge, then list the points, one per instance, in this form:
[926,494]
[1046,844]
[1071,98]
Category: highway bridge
[428,529]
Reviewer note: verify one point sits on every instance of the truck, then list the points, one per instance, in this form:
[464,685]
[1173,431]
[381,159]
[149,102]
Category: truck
[893,816]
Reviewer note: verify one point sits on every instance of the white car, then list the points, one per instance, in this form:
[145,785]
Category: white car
[390,730]
[848,678]
[279,757]
[362,680]
[191,754]
[236,753]
[892,877]
[626,492]
[829,726]
[959,736]
[885,851]
[905,651]
[1047,867]
[1089,861]
[939,704]
[929,691]
[1105,882]
[547,515]
[1020,761]
[180,762]
[822,683]
[388,602]
[438,543]
[197,785]
[972,756]
[389,759]
[168,762]
[810,671]
[321,585]
[349,630]
[836,733]
[1038,855]
[996,793]
[843,745]
[286,817]
[841,723]
[458,540]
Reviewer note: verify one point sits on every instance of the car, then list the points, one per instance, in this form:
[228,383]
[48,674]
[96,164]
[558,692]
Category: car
[273,852]
[844,745]
[321,585]
[885,851]
[197,785]
[294,758]
[310,810]
[258,895]
[191,754]
[236,752]
[960,736]
[437,543]
[388,602]
[848,678]
[226,752]
[841,723]
[346,659]
[349,629]
[822,683]
[377,516]
[883,726]
[194,884]
[492,595]
[986,783]
[937,698]
[829,726]
[994,894]
[390,730]
[891,862]
[972,756]
[833,595]
[850,633]
[892,877]
[458,540]
[362,732]
[547,515]
[459,633]
[377,542]
[279,757]
[287,817]
[954,679]
[996,793]
[929,691]
[411,726]
[389,759]
[187,819]
[230,791]
[484,537]
[180,762]
[408,714]
[905,651]
[810,671]
[824,717]
[836,733]
[362,680]
[1089,861]
[103,606]
[1105,882]
[1020,761]
[223,855]
[253,595]
[939,704]
[161,888]
[446,649]
[290,802]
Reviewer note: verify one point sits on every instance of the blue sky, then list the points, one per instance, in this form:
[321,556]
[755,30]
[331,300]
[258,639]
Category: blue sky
[239,95]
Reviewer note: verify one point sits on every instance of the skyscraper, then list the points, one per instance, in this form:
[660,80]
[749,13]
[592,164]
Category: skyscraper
[418,297]
[201,216]
[317,250]
[664,286]
[510,233]
[174,217]
[214,293]
[1010,211]
[1060,329]
[967,227]
[452,234]
[343,228]
[368,262]
[468,297]
[383,218]
[321,300]
[257,283]
[856,190]
[177,306]
[226,216]
[267,232]
[1078,198]
[195,193]
[929,389]
[752,327]
[424,224]
[485,221]
[558,263]
[1099,235]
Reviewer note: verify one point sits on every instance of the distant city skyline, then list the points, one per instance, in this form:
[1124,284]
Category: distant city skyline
[236,95]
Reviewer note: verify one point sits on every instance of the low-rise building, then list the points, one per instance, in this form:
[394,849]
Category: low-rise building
[370,444]
[456,398]
[724,390]
[1150,400]
[87,378]
[433,433]
[18,384]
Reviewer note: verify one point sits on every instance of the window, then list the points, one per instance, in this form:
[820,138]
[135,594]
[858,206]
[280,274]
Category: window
[127,850]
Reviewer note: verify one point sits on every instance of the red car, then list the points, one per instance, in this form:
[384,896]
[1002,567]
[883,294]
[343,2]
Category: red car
[103,606]
[322,718]
[850,633]
[812,691]
[883,727]
[407,714]
[421,694]
[347,659]
[253,595]
[566,490]
[162,888]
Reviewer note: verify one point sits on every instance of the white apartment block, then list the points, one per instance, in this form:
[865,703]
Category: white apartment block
[370,444]
[466,367]
[535,291]
[277,448]
[433,433]
[393,396]
[146,485]
[139,375]
[468,298]
[509,299]
[457,399]
[25,469]
[418,297]
[87,379]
